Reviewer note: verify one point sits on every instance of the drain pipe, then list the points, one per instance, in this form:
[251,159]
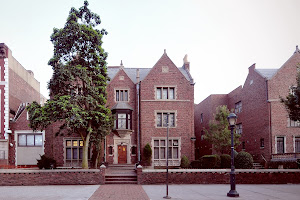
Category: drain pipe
[138,114]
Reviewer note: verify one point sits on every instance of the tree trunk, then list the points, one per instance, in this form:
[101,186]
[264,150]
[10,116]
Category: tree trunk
[85,163]
[98,159]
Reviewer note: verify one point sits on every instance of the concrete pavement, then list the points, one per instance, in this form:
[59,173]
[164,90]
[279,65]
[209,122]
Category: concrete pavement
[152,192]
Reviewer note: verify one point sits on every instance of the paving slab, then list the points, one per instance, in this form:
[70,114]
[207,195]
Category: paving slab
[219,192]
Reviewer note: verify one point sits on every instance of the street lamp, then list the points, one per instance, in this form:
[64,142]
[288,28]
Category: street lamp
[232,121]
[167,181]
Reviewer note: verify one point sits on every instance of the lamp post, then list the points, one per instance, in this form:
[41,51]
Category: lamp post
[232,121]
[167,181]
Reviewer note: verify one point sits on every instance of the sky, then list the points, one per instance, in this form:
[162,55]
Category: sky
[221,38]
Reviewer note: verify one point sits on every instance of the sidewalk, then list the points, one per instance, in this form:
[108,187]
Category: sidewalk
[149,192]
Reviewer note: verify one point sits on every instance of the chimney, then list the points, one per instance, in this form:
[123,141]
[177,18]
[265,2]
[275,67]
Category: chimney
[121,65]
[251,68]
[297,50]
[137,75]
[186,63]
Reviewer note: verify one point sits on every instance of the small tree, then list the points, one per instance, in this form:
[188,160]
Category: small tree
[218,133]
[78,85]
[147,154]
[292,101]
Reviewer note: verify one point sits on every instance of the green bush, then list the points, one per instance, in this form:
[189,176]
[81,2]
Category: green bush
[147,154]
[243,160]
[46,162]
[196,164]
[225,161]
[211,162]
[185,163]
[286,164]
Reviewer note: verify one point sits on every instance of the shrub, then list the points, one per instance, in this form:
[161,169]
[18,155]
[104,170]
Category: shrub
[147,154]
[185,163]
[211,162]
[46,162]
[225,161]
[243,160]
[196,164]
[286,164]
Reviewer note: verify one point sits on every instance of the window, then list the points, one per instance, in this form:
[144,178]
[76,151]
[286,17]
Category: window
[74,150]
[239,129]
[294,123]
[160,149]
[280,144]
[162,119]
[297,144]
[165,93]
[133,150]
[243,146]
[201,118]
[123,121]
[30,140]
[262,143]
[110,150]
[121,95]
[293,90]
[238,107]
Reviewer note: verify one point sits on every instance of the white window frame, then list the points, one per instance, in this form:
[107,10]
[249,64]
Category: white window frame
[162,87]
[119,94]
[284,143]
[239,128]
[238,107]
[162,120]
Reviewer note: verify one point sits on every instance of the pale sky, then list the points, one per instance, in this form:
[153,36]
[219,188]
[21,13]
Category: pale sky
[222,38]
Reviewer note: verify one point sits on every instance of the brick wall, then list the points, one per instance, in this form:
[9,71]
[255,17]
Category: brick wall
[183,105]
[50,177]
[221,176]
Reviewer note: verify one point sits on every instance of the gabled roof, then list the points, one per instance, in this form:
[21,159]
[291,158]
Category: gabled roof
[131,72]
[267,73]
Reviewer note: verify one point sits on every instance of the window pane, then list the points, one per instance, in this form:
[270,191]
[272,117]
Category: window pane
[38,140]
[80,153]
[297,144]
[165,120]
[110,150]
[125,95]
[165,93]
[81,143]
[162,153]
[163,143]
[156,153]
[171,93]
[172,119]
[68,143]
[121,95]
[30,140]
[158,120]
[280,145]
[175,152]
[170,152]
[156,143]
[68,154]
[175,142]
[158,93]
[75,153]
[22,140]
[117,95]
[75,143]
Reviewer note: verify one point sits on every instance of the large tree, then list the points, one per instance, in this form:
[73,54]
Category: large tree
[78,85]
[218,133]
[292,101]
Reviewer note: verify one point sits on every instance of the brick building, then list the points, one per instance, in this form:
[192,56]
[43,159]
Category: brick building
[18,144]
[140,99]
[266,130]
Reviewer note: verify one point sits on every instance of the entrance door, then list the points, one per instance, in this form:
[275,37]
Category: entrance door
[122,154]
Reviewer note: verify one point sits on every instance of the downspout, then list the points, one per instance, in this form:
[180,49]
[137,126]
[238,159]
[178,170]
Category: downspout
[104,149]
[270,118]
[138,121]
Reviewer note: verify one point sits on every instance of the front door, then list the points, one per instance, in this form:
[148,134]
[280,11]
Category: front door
[122,154]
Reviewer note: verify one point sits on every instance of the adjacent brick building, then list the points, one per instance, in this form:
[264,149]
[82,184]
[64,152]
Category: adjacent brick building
[18,144]
[266,130]
[140,99]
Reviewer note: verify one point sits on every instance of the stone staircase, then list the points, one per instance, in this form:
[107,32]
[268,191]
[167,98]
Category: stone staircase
[121,174]
[257,166]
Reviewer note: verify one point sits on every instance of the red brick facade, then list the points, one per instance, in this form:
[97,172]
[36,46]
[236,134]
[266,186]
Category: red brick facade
[263,117]
[132,98]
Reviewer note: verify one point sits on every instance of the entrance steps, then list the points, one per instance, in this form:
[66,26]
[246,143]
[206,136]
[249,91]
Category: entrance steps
[121,174]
